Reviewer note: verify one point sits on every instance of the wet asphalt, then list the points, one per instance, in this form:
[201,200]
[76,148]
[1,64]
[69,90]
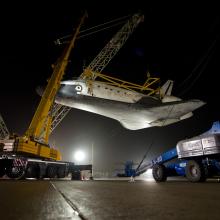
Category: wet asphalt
[101,199]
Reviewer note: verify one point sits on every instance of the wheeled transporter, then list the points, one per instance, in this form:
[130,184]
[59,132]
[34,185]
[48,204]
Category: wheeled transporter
[197,158]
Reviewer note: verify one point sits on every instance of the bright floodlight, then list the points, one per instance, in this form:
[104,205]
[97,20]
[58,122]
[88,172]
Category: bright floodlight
[149,171]
[79,156]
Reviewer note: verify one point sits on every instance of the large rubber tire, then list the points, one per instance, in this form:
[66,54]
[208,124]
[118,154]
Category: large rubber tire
[15,172]
[61,172]
[32,171]
[76,175]
[51,171]
[42,169]
[195,171]
[159,173]
[2,171]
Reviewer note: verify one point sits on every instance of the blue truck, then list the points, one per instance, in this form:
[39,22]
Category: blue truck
[196,158]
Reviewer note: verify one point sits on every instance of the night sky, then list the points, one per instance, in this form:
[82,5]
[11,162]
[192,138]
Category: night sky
[176,41]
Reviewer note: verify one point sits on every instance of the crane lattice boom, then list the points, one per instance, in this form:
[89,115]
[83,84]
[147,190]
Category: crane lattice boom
[4,133]
[113,46]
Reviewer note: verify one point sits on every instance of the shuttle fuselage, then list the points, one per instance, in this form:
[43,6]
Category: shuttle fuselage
[132,109]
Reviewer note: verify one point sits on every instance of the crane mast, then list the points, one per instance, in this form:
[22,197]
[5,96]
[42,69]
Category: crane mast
[100,62]
[42,113]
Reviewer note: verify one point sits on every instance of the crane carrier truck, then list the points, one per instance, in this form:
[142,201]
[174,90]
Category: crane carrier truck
[30,155]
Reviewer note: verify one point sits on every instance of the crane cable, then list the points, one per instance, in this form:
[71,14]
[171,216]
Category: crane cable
[84,35]
[207,56]
[151,143]
[120,20]
[203,63]
[108,22]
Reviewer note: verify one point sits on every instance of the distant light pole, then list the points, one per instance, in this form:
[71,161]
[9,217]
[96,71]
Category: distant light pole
[92,157]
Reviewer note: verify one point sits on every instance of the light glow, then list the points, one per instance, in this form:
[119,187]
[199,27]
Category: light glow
[79,156]
[149,172]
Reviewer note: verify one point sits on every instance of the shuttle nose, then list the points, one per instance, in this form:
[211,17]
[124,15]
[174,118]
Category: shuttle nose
[67,82]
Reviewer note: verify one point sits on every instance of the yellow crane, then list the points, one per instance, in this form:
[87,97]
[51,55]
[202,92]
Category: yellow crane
[23,154]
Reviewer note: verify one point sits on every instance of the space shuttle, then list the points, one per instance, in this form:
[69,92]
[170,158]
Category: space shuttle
[134,110]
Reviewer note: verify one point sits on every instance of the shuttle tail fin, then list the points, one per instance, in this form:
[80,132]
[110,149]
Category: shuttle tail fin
[166,89]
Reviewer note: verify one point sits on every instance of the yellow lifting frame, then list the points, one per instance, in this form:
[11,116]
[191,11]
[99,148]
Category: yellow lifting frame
[146,88]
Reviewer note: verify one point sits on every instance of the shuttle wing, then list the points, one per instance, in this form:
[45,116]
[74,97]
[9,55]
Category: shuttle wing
[167,113]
